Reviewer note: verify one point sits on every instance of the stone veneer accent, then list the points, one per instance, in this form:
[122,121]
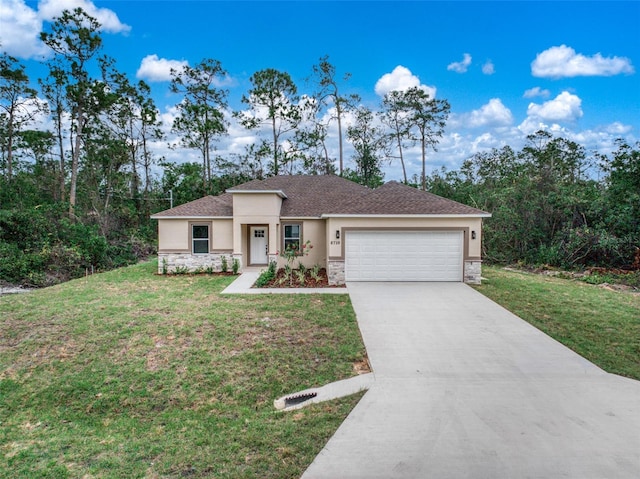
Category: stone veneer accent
[472,271]
[335,272]
[193,262]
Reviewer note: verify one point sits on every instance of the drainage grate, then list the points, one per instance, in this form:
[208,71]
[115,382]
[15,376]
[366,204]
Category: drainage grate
[296,399]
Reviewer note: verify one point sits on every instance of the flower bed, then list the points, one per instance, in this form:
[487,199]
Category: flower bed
[298,280]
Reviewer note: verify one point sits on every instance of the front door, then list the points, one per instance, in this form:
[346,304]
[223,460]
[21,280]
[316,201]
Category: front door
[258,244]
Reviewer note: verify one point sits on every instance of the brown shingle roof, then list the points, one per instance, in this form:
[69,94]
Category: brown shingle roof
[208,206]
[394,198]
[317,195]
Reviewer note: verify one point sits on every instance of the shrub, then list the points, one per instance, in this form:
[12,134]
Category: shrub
[235,265]
[224,266]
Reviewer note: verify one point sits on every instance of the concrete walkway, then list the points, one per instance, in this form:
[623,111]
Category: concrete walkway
[465,389]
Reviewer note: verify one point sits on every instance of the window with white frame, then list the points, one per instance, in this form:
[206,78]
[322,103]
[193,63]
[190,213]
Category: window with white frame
[292,236]
[200,239]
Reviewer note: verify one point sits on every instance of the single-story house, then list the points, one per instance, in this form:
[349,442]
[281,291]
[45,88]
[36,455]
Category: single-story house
[391,233]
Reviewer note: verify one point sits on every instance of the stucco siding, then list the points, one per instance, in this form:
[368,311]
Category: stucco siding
[336,246]
[222,235]
[314,231]
[173,235]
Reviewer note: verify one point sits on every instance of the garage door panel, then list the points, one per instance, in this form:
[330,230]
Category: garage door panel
[404,256]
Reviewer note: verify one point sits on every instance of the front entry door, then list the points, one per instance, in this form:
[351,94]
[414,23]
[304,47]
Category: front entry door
[258,239]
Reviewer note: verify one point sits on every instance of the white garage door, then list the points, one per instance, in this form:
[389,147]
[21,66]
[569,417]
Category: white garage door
[403,256]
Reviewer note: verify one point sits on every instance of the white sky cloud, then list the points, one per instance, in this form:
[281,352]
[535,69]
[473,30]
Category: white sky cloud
[563,61]
[21,25]
[20,29]
[154,69]
[49,9]
[488,68]
[565,107]
[493,113]
[536,91]
[401,79]
[460,67]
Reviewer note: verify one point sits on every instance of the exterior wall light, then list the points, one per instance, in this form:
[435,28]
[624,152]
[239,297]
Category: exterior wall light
[473,235]
[337,234]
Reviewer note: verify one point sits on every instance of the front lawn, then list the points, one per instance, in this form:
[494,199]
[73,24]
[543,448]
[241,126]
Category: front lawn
[130,374]
[599,324]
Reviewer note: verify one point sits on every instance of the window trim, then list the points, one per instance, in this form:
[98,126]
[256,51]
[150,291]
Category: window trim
[300,235]
[193,240]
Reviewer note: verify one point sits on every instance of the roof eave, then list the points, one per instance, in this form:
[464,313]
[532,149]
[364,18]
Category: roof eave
[280,193]
[185,217]
[433,215]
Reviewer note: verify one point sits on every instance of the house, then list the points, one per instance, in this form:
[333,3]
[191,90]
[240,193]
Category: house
[391,233]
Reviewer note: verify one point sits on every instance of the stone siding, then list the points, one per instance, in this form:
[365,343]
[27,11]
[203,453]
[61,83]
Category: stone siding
[335,272]
[472,271]
[187,262]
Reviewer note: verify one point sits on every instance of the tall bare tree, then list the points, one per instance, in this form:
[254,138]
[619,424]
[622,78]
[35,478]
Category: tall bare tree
[201,112]
[18,104]
[272,102]
[75,39]
[328,93]
[427,117]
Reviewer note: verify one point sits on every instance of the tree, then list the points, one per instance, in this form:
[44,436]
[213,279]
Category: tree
[369,143]
[395,116]
[428,117]
[133,118]
[19,105]
[272,101]
[75,40]
[53,88]
[201,112]
[622,198]
[324,74]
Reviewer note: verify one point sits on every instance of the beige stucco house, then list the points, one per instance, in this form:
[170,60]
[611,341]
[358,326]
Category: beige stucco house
[391,233]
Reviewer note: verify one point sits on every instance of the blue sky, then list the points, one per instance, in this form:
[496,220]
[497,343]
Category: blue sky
[507,68]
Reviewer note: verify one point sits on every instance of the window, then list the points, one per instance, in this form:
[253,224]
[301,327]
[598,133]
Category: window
[200,239]
[292,236]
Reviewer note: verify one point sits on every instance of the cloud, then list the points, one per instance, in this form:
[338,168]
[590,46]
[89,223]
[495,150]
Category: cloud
[21,24]
[564,107]
[493,113]
[460,67]
[617,128]
[50,9]
[156,69]
[401,79]
[488,68]
[536,91]
[563,61]
[20,29]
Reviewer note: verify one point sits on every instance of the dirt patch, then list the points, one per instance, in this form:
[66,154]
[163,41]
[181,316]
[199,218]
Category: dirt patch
[362,366]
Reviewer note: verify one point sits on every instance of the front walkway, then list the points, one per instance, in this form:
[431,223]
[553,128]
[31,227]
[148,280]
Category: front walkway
[465,389]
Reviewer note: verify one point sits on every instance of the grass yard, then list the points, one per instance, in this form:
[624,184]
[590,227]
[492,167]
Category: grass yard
[599,324]
[128,374]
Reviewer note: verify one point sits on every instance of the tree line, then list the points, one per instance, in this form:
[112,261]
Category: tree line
[79,194]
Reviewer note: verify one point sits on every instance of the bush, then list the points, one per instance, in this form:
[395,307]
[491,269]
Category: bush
[267,275]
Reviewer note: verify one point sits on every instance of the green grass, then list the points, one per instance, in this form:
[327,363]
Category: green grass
[600,325]
[128,374]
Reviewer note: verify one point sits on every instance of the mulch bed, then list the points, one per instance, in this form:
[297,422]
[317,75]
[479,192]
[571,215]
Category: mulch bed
[280,281]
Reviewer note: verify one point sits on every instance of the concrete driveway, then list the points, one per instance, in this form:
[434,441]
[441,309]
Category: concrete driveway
[465,389]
